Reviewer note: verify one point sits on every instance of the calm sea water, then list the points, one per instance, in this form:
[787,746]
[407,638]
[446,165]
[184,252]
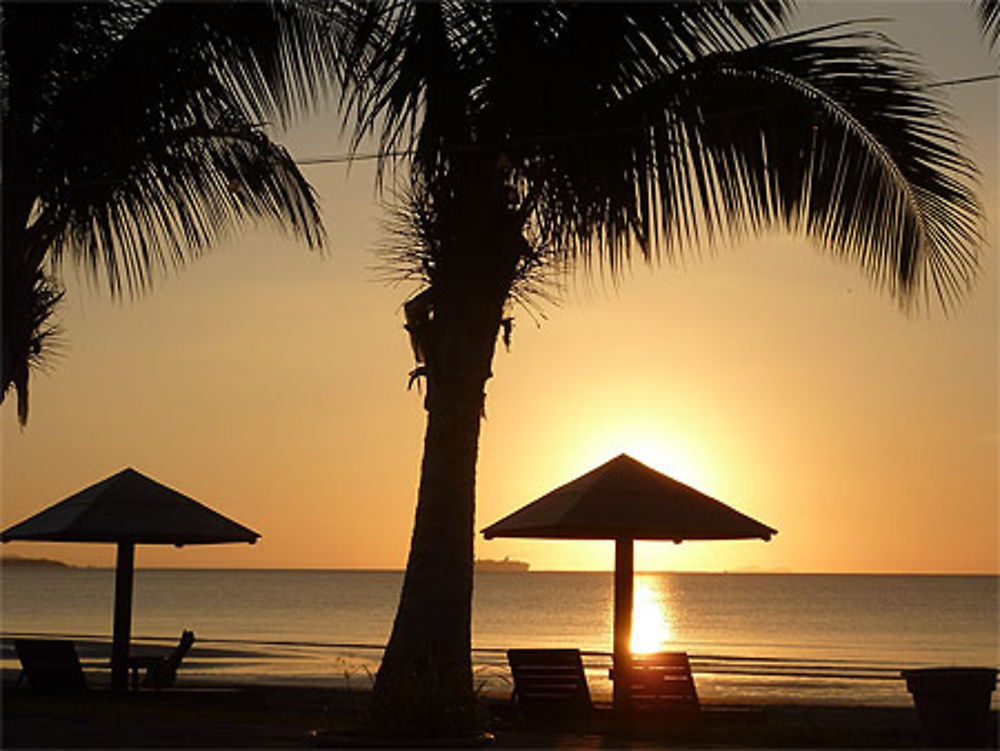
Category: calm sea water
[815,638]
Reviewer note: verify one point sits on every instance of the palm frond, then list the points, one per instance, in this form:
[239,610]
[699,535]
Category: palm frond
[428,74]
[32,336]
[989,15]
[281,56]
[134,138]
[405,79]
[829,132]
[182,194]
[178,157]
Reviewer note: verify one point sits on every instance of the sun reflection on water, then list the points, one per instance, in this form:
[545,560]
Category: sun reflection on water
[650,627]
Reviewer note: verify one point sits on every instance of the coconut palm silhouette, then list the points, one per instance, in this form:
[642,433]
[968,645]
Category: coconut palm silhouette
[538,136]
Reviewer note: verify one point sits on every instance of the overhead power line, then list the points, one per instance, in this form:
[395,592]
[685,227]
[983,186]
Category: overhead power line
[342,158]
[960,81]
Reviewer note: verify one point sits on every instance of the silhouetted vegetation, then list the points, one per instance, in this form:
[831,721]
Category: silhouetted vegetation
[132,140]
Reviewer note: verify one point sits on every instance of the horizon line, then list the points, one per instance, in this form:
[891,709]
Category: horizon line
[372,569]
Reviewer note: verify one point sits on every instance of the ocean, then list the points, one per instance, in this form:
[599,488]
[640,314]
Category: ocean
[751,637]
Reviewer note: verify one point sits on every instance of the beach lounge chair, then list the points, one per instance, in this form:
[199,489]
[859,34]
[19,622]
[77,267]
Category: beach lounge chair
[660,682]
[161,670]
[549,684]
[50,665]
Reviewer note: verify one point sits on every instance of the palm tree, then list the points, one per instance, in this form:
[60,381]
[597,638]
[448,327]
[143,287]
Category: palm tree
[132,139]
[533,134]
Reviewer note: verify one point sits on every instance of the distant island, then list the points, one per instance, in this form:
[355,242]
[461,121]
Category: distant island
[506,565]
[16,560]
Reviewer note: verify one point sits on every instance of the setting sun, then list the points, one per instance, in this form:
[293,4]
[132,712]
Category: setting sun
[649,441]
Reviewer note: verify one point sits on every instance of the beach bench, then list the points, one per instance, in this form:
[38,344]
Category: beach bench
[659,682]
[161,670]
[549,684]
[50,665]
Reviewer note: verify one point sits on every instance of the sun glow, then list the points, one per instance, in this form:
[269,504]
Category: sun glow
[650,629]
[650,444]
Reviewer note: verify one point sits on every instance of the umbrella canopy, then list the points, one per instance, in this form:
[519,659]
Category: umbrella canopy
[624,500]
[128,508]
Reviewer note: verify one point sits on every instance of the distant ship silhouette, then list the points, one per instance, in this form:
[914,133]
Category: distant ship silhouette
[506,565]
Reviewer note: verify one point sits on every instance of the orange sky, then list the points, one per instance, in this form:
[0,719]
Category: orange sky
[270,383]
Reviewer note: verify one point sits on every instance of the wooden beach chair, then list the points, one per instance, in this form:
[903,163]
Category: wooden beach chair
[659,682]
[50,665]
[549,685]
[161,670]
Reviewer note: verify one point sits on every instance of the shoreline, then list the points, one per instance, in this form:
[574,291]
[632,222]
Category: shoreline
[292,664]
[223,662]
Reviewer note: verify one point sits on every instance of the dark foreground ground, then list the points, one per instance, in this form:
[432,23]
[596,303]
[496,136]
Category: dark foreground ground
[282,717]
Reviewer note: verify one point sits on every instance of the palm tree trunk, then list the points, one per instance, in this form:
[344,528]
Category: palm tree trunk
[425,679]
[424,685]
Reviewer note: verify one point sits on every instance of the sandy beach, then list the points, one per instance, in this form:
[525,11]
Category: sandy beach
[203,715]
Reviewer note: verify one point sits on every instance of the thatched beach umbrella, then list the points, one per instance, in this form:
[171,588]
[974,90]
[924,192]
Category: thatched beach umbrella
[128,508]
[624,500]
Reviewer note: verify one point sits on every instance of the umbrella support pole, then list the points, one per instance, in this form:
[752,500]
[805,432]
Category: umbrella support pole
[123,617]
[624,564]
